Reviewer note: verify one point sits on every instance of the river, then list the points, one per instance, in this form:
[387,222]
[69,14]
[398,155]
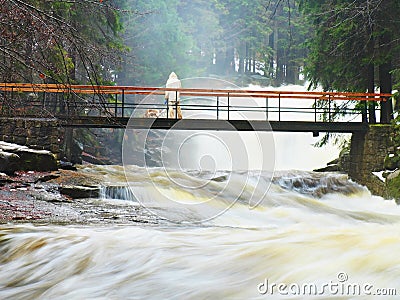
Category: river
[311,234]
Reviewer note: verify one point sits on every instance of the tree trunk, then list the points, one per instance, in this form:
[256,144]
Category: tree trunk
[254,62]
[371,73]
[385,80]
[291,72]
[275,47]
[271,71]
[385,76]
[68,140]
[371,89]
[280,68]
[229,63]
[397,104]
[247,65]
[240,69]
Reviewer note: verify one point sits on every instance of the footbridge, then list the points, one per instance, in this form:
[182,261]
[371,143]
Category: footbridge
[96,106]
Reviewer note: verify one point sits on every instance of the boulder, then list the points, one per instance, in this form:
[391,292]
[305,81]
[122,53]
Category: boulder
[392,162]
[340,164]
[330,168]
[393,186]
[80,191]
[15,157]
[344,160]
[8,162]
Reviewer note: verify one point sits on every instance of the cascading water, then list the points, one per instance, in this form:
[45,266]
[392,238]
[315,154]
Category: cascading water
[312,234]
[117,192]
[205,233]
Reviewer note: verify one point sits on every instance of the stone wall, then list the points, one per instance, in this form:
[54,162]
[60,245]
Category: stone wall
[367,154]
[43,134]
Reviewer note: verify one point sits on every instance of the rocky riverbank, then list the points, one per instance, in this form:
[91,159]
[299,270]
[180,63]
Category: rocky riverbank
[33,189]
[14,157]
[373,161]
[25,196]
[62,197]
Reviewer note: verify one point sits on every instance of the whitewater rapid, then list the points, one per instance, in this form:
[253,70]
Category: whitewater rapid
[312,234]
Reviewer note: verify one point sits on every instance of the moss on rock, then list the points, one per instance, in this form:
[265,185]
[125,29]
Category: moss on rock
[393,185]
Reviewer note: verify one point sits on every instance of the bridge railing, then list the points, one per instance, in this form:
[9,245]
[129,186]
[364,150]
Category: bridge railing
[225,104]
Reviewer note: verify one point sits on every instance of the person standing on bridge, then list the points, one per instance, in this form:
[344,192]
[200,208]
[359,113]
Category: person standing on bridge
[173,97]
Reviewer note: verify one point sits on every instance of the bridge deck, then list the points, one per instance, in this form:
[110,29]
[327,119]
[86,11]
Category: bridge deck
[209,124]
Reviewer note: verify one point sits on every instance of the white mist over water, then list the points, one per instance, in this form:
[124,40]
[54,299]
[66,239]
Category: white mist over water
[296,151]
[214,150]
[236,150]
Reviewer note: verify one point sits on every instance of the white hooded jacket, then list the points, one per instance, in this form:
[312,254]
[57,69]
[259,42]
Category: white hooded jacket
[172,82]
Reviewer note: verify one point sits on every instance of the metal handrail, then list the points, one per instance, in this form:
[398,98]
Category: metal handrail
[118,108]
[102,89]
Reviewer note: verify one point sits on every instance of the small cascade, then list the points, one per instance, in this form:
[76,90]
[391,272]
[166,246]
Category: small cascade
[317,184]
[117,193]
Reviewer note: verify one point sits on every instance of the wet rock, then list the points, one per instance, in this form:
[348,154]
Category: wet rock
[15,157]
[393,175]
[330,168]
[92,159]
[344,160]
[221,178]
[66,165]
[393,186]
[48,195]
[333,162]
[392,162]
[47,177]
[80,191]
[76,152]
[340,164]
[8,162]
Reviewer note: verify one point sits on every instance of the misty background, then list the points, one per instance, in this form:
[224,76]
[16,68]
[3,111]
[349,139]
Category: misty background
[264,39]
[257,43]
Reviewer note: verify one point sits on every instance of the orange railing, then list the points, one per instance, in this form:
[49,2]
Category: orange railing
[119,90]
[223,104]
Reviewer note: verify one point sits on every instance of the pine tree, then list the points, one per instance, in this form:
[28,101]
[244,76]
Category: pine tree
[353,46]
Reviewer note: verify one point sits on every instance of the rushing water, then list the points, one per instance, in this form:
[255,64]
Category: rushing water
[311,234]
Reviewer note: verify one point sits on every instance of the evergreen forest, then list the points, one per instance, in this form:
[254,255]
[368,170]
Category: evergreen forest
[339,45]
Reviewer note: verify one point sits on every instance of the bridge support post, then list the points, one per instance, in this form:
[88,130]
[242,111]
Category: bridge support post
[176,105]
[123,103]
[315,110]
[229,108]
[329,109]
[279,107]
[116,106]
[364,112]
[167,109]
[217,107]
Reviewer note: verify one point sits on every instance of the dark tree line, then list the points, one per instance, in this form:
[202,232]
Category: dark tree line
[58,41]
[141,41]
[355,47]
[339,44]
[221,37]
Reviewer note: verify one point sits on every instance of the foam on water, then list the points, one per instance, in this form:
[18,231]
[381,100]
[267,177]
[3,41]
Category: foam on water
[308,229]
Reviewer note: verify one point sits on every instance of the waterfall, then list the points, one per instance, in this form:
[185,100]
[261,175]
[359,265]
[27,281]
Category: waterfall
[117,193]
